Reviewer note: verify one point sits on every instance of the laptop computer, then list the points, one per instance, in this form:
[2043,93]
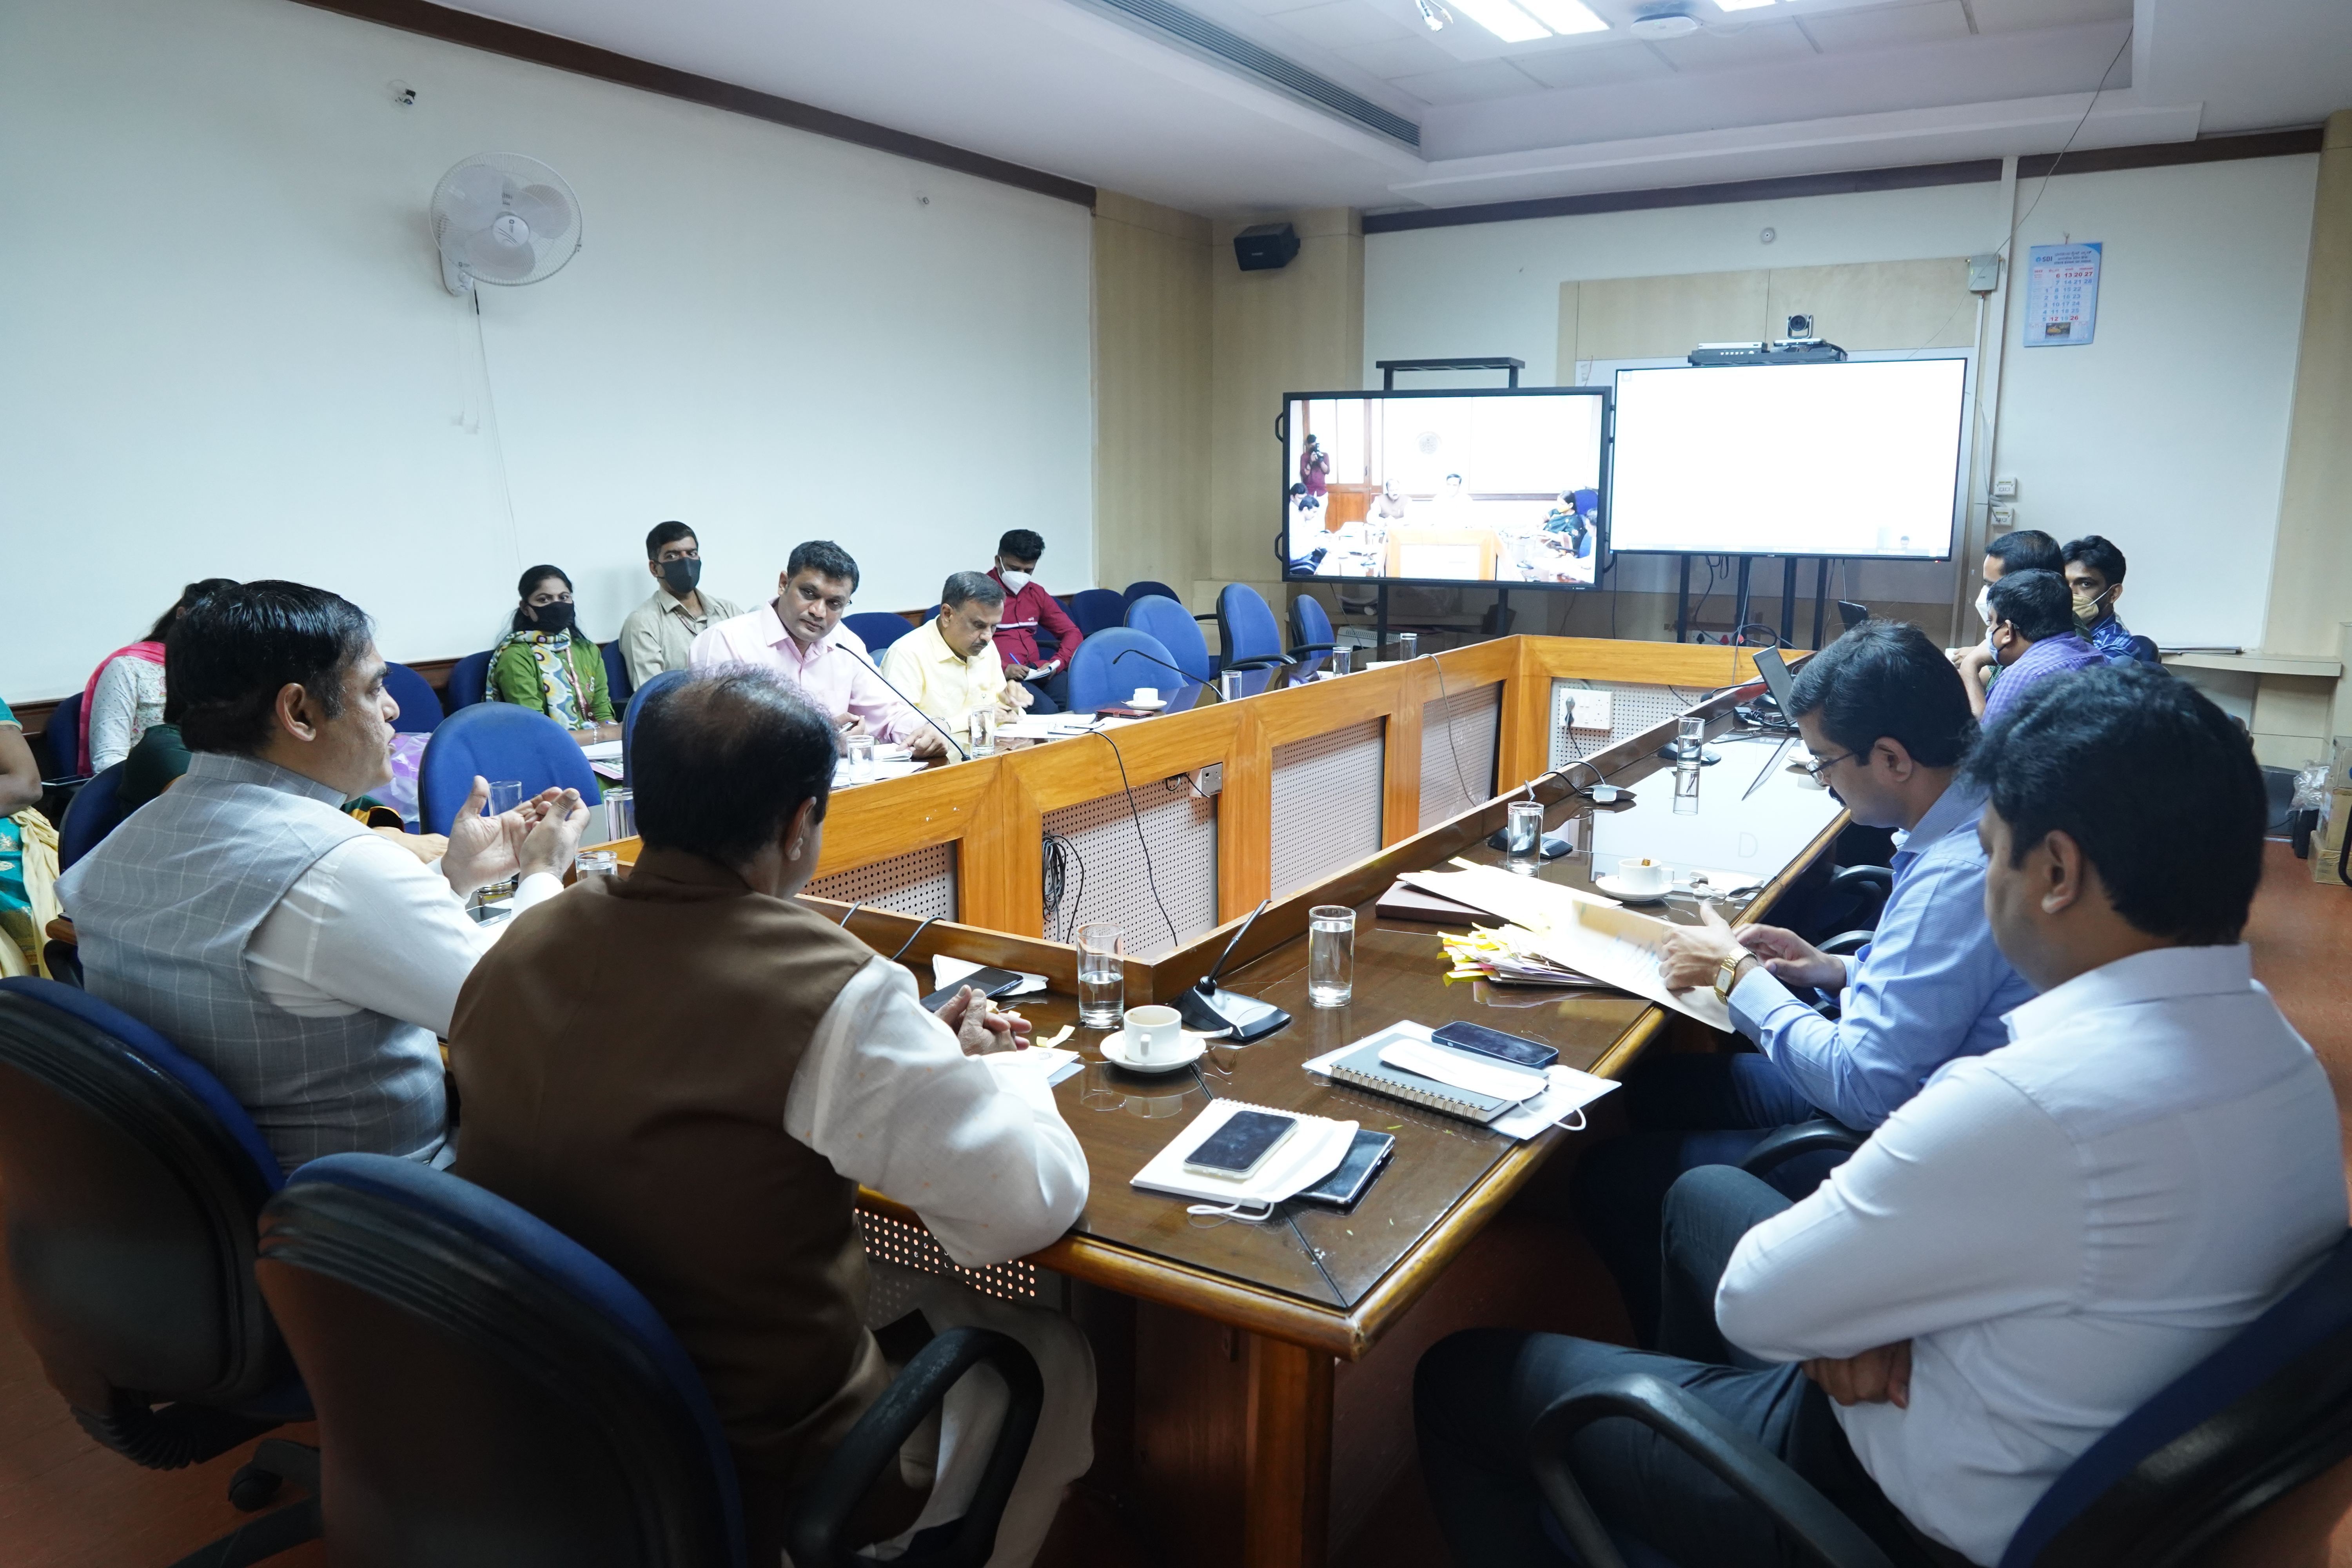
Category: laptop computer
[1852,614]
[1777,681]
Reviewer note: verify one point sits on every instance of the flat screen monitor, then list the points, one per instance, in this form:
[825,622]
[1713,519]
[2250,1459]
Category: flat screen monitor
[1854,459]
[1501,488]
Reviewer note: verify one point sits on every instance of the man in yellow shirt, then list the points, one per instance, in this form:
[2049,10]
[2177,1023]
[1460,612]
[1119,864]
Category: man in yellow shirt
[949,665]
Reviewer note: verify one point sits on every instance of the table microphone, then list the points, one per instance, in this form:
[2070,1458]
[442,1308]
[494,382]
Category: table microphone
[909,701]
[1204,685]
[1206,1009]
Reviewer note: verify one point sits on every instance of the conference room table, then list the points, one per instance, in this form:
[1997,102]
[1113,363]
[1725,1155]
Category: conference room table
[1218,1338]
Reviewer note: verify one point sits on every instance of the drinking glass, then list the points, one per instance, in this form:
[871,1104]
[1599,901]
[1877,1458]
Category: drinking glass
[620,813]
[1341,659]
[1229,684]
[1408,644]
[595,863]
[1330,954]
[861,758]
[1102,976]
[1523,837]
[1690,738]
[983,731]
[506,794]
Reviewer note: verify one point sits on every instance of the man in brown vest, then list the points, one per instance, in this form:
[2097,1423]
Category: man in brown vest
[690,1072]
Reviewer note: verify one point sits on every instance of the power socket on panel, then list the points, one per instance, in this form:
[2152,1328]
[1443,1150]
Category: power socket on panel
[1576,710]
[2004,488]
[2004,518]
[1210,779]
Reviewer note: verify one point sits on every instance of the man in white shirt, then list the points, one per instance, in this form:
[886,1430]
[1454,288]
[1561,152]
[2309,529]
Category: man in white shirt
[949,665]
[659,634]
[309,963]
[799,634]
[717,1167]
[2027,1251]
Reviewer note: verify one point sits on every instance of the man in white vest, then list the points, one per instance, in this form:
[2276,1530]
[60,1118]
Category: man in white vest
[306,962]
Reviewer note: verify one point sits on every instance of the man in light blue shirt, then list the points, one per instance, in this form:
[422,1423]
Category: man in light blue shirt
[1887,721]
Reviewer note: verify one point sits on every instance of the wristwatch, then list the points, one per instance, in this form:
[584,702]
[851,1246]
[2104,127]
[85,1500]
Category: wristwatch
[1727,974]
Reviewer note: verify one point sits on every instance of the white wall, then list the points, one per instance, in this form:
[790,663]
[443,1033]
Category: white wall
[2168,433]
[228,351]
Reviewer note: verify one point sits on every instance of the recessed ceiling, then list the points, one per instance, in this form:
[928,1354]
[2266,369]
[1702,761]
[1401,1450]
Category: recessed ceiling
[1791,87]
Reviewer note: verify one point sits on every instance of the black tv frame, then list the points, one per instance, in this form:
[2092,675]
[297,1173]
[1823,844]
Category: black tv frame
[1608,398]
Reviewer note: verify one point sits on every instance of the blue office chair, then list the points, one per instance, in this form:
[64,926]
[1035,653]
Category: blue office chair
[586,1434]
[420,710]
[470,677]
[1147,586]
[95,811]
[637,701]
[618,684]
[2267,1412]
[1173,625]
[63,737]
[1100,677]
[134,1183]
[2143,650]
[877,629]
[1312,640]
[1096,610]
[497,741]
[1248,636]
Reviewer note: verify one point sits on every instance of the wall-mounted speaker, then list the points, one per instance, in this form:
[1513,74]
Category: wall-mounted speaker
[1267,248]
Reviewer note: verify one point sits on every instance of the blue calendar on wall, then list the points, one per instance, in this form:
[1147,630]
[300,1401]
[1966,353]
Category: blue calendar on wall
[2062,295]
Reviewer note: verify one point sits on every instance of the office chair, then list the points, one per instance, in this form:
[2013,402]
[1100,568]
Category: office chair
[1146,586]
[2269,1411]
[1312,640]
[497,741]
[1247,633]
[2145,651]
[470,677]
[491,1392]
[1096,610]
[618,684]
[1100,679]
[63,736]
[134,1183]
[96,811]
[877,629]
[420,710]
[1173,627]
[637,701]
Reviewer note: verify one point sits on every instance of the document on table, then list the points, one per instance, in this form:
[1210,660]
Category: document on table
[1579,931]
[1048,1065]
[881,770]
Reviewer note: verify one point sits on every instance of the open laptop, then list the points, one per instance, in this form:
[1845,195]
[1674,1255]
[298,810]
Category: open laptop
[1852,614]
[1777,681]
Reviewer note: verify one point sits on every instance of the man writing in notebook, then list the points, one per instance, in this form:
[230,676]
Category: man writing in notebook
[1029,610]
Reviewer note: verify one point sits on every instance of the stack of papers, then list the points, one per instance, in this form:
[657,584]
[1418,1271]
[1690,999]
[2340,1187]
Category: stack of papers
[881,770]
[1510,955]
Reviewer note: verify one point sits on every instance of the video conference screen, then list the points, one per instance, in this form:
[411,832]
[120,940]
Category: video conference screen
[1497,487]
[1856,459]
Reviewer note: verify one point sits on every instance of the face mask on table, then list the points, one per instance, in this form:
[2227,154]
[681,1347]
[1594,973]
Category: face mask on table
[682,574]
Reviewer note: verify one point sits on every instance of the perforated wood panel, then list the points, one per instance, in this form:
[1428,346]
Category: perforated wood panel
[1457,749]
[1634,710]
[919,883]
[1327,804]
[1110,877]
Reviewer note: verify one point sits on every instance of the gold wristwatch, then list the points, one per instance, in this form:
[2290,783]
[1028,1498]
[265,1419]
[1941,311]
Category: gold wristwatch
[1726,972]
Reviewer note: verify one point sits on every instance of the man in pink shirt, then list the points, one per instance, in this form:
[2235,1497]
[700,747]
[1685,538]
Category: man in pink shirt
[1027,608]
[799,634]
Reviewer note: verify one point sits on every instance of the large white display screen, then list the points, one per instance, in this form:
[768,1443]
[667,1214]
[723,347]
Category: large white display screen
[1501,487]
[1859,458]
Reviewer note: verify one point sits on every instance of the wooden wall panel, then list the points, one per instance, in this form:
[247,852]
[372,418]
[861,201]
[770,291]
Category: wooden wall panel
[1151,392]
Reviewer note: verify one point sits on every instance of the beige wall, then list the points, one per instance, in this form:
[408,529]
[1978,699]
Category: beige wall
[1152,394]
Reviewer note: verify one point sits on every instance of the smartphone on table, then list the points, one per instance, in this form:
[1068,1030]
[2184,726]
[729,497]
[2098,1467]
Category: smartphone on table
[1483,1041]
[1242,1144]
[993,983]
[1366,1157]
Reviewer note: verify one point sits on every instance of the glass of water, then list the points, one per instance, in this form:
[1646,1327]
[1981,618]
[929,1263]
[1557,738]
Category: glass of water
[595,863]
[1229,684]
[983,731]
[1341,658]
[1102,976]
[1330,954]
[1523,837]
[861,758]
[620,813]
[1408,644]
[1690,738]
[506,794]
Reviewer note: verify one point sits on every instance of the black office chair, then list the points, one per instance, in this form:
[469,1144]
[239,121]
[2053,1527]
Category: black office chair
[133,1183]
[492,1394]
[2269,1411]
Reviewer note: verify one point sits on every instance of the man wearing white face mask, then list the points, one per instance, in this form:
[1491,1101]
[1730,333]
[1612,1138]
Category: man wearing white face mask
[2026,550]
[1027,609]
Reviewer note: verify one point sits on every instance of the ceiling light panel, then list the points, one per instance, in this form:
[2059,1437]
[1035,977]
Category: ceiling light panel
[1502,19]
[1739,4]
[1566,17]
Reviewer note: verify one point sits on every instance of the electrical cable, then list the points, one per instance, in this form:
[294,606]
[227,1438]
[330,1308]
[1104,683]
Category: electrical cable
[1461,775]
[1151,878]
[853,910]
[911,936]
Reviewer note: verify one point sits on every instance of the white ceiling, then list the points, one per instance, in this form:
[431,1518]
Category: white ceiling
[1797,87]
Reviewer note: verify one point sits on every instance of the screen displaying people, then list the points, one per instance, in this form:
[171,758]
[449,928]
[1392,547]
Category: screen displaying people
[1496,488]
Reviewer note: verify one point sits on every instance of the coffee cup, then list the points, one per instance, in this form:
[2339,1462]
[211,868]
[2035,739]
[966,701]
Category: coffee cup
[1642,876]
[1154,1032]
[1146,694]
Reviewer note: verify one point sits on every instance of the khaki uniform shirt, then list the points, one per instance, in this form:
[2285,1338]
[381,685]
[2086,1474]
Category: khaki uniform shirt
[657,633]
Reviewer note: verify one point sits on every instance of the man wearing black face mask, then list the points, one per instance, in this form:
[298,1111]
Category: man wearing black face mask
[657,633]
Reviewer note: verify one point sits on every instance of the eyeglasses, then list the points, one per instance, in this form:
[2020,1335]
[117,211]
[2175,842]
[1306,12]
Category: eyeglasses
[1820,765]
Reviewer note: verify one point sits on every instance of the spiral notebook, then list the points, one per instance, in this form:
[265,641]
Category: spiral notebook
[1363,1067]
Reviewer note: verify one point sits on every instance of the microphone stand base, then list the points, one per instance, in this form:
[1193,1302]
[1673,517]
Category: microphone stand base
[1209,1009]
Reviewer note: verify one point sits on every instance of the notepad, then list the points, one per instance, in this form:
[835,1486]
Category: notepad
[1368,1067]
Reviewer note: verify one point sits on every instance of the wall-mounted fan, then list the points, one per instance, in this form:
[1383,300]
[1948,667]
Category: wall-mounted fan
[499,217]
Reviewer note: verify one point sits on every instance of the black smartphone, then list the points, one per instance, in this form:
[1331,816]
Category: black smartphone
[1366,1157]
[1242,1144]
[1503,1048]
[993,983]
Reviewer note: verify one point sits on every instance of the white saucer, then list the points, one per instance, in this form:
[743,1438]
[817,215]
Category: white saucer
[1154,706]
[1115,1048]
[1624,894]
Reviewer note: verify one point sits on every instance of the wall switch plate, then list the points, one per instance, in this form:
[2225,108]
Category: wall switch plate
[2004,488]
[1582,710]
[2004,518]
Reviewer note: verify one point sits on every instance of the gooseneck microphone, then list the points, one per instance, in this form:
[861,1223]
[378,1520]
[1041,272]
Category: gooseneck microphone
[868,662]
[1207,686]
[1209,1009]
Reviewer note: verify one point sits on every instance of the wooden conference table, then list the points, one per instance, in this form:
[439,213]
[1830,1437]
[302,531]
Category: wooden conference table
[1249,1479]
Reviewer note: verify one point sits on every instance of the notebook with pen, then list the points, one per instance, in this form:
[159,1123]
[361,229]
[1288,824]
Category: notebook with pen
[1451,1094]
